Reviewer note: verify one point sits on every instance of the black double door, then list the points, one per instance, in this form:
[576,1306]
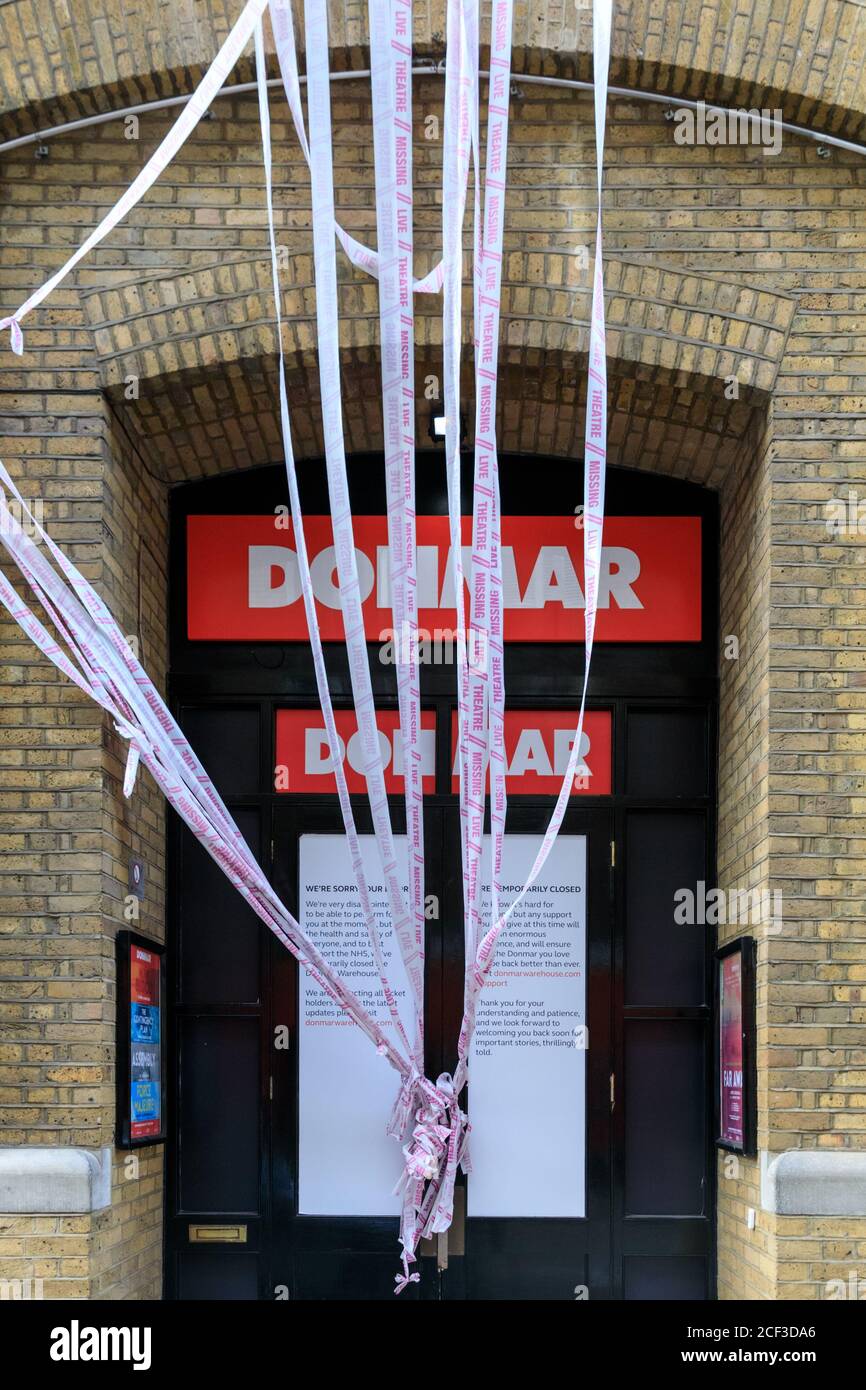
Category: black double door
[355,1257]
[234,1228]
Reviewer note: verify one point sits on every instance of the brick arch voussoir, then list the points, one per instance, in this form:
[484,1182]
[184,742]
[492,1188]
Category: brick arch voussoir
[224,417]
[682,322]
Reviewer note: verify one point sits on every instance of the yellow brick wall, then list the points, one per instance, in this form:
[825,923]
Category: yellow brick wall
[66,836]
[722,260]
[744,1267]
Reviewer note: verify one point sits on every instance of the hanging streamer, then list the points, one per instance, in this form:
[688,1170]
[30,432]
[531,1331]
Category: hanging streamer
[306,578]
[165,152]
[98,660]
[284,38]
[595,456]
[195,108]
[438,1127]
[480,671]
[487,688]
[391,60]
[327,320]
[460,136]
[423,1113]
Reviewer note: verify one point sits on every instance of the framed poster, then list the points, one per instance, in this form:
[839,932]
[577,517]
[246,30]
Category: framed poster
[735,1046]
[140,1041]
[531,1040]
[530,1036]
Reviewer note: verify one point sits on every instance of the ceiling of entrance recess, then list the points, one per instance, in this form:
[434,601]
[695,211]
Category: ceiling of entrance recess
[225,418]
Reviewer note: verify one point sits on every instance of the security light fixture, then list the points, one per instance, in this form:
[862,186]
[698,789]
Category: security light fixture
[438,423]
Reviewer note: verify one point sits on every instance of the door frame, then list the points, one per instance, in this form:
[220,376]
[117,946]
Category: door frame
[538,677]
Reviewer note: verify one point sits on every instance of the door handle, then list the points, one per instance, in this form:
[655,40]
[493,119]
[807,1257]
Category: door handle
[612,1091]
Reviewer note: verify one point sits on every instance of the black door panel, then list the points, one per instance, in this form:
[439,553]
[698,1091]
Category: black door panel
[336,1257]
[548,1257]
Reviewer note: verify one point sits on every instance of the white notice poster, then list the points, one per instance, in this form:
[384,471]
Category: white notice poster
[348,1166]
[527,1076]
[527,1079]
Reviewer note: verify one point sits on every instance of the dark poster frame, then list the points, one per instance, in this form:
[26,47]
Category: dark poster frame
[124,1137]
[745,947]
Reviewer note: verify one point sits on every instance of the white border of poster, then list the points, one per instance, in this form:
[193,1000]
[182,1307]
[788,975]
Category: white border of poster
[347,1165]
[527,1078]
[528,1066]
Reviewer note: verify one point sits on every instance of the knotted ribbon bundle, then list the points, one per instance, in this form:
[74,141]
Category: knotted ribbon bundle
[433,1153]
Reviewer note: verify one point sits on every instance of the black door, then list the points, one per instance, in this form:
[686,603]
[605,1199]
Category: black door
[552,1256]
[348,1255]
[664,1168]
[345,1257]
[233,1228]
[236,1223]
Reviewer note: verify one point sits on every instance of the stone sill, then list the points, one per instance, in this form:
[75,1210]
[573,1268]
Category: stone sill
[42,1181]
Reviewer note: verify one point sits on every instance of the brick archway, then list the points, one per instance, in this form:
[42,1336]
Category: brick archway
[193,359]
[156,49]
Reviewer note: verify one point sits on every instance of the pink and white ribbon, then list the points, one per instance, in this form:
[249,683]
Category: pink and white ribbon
[327,321]
[307,587]
[284,37]
[88,647]
[595,457]
[198,104]
[391,62]
[481,688]
[195,108]
[421,1107]
[486,596]
[460,135]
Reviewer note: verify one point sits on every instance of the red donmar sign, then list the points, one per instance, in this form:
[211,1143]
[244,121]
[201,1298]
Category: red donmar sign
[243,583]
[304,759]
[537,747]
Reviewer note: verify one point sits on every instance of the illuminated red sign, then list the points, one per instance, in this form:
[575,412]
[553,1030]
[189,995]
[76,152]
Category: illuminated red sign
[538,744]
[537,747]
[304,758]
[243,583]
